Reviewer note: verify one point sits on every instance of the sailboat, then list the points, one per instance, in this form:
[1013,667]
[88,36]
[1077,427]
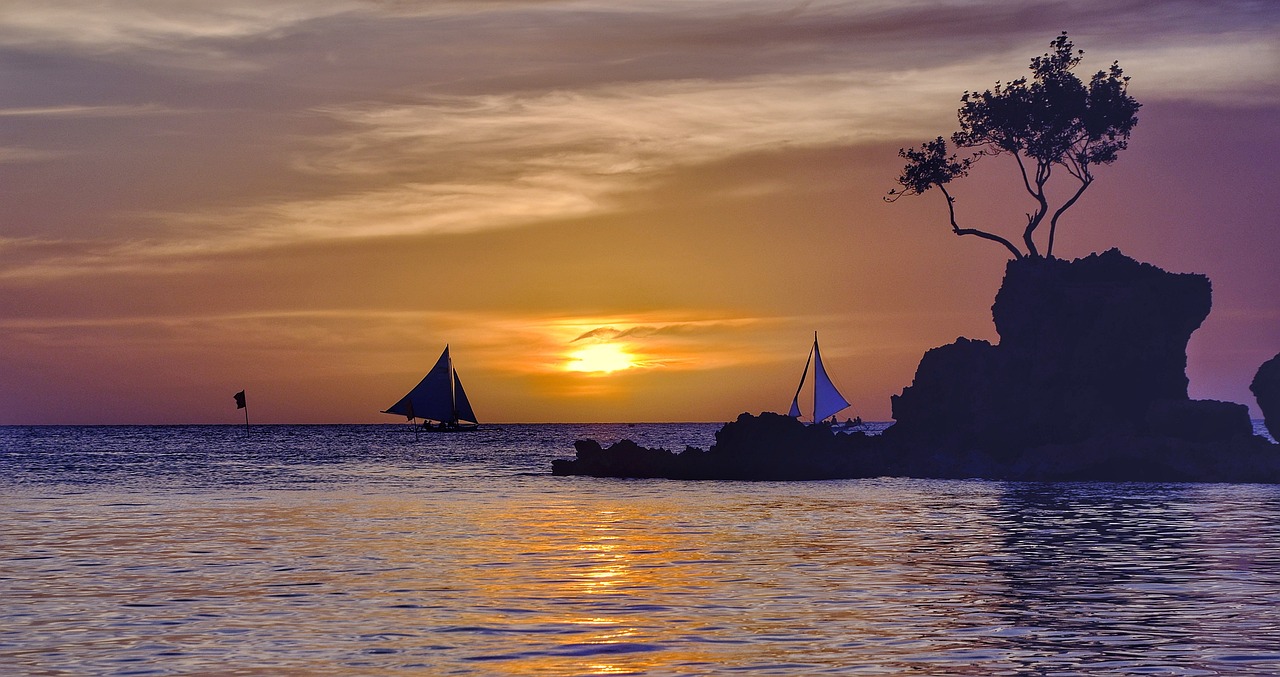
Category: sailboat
[438,400]
[827,400]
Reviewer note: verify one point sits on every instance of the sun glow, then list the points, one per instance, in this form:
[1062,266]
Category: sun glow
[602,358]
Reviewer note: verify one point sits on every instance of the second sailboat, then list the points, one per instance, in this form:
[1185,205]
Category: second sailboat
[827,400]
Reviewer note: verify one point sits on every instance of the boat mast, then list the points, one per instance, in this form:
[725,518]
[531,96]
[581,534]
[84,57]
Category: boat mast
[817,361]
[827,400]
[453,396]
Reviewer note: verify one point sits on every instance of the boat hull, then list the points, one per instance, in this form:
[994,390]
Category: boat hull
[429,428]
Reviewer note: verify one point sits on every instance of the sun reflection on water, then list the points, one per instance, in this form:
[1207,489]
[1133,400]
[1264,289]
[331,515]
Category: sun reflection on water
[550,577]
[587,578]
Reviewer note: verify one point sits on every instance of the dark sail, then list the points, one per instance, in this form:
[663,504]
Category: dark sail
[432,398]
[795,401]
[464,411]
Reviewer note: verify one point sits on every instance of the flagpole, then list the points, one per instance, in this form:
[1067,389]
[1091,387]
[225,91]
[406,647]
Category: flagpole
[242,403]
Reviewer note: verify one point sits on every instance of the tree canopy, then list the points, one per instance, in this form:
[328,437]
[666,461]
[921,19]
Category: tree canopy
[1052,120]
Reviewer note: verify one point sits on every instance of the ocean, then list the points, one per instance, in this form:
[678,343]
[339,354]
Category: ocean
[369,550]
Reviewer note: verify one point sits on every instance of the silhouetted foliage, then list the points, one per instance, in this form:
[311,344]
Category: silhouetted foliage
[1052,120]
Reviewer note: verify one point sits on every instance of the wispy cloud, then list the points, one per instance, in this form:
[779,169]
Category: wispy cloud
[15,155]
[516,160]
[466,164]
[631,128]
[123,23]
[460,150]
[1238,69]
[644,331]
[86,111]
[668,340]
[387,341]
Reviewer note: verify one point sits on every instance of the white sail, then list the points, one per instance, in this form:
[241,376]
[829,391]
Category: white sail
[437,397]
[827,400]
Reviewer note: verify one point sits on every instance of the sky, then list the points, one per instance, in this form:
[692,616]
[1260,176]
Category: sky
[610,211]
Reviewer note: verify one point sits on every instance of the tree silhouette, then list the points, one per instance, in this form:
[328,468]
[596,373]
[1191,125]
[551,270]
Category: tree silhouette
[1053,120]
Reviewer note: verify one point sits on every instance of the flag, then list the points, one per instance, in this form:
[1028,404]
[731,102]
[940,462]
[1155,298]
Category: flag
[240,400]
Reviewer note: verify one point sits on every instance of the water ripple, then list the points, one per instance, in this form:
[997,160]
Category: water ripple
[439,572]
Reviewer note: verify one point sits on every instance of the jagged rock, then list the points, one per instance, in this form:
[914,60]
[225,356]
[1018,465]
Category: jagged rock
[947,399]
[621,459]
[765,447]
[1266,390]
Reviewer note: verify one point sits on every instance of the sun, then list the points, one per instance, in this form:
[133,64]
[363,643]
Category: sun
[602,358]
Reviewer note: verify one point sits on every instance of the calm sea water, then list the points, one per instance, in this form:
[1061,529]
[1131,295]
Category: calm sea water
[313,550]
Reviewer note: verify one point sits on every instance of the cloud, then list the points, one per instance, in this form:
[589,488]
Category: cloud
[1242,69]
[671,340]
[519,159]
[86,111]
[16,155]
[570,122]
[645,331]
[115,24]
[635,127]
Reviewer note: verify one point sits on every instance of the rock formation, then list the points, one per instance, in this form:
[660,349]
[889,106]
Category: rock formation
[1090,348]
[764,447]
[1266,390]
[1088,382]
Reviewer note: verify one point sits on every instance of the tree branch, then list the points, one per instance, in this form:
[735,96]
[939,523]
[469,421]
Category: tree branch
[1025,180]
[1053,222]
[1072,160]
[1033,222]
[955,228]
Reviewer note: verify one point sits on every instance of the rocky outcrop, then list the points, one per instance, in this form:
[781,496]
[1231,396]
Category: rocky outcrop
[623,459]
[1266,390]
[1089,348]
[1087,382]
[764,447]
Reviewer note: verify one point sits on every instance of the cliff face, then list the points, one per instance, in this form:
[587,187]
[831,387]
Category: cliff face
[1089,348]
[1266,389]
